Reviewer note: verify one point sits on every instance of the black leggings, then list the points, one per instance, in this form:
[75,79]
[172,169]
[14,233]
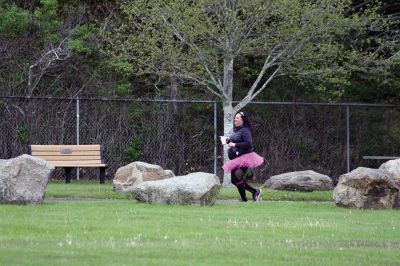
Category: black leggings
[237,178]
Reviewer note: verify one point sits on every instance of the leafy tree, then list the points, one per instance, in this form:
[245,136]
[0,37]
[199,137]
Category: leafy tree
[201,41]
[13,20]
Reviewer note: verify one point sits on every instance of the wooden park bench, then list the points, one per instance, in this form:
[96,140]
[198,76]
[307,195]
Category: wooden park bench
[380,157]
[71,156]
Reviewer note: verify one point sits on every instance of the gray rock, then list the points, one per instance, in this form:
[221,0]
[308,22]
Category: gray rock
[23,180]
[195,188]
[366,188]
[300,181]
[392,167]
[129,176]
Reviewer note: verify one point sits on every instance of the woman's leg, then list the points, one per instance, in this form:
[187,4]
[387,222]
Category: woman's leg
[247,186]
[255,192]
[237,180]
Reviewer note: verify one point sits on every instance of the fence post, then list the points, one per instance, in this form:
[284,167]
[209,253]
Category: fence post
[77,131]
[348,137]
[215,138]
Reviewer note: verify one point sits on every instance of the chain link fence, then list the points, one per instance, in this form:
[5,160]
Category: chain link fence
[295,137]
[177,136]
[331,139]
[182,135]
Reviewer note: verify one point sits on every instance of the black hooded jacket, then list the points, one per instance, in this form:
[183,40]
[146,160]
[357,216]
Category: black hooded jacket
[241,136]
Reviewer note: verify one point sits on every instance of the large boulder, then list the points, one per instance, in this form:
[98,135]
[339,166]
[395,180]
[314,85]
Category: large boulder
[23,180]
[129,176]
[300,181]
[392,167]
[366,188]
[201,188]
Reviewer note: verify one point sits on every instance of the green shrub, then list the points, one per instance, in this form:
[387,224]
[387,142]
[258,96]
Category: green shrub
[14,21]
[83,39]
[23,134]
[133,150]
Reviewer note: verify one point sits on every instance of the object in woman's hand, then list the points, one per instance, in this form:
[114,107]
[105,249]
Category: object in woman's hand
[223,139]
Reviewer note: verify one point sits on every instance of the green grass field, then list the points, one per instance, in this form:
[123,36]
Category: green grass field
[121,231]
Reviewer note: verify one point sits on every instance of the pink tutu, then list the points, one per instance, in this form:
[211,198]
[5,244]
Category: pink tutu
[251,159]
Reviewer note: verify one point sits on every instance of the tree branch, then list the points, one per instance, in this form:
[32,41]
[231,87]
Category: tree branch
[199,53]
[59,53]
[265,83]
[201,81]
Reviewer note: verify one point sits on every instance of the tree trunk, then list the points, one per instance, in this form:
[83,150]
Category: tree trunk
[228,125]
[174,93]
[227,105]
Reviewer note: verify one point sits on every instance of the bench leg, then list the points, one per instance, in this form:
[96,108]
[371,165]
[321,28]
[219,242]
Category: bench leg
[102,175]
[68,174]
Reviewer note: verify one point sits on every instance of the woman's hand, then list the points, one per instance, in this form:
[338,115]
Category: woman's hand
[231,144]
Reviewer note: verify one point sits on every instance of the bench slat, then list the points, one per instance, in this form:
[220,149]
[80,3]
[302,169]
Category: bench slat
[96,161]
[61,147]
[74,153]
[76,158]
[75,164]
[79,165]
[380,157]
